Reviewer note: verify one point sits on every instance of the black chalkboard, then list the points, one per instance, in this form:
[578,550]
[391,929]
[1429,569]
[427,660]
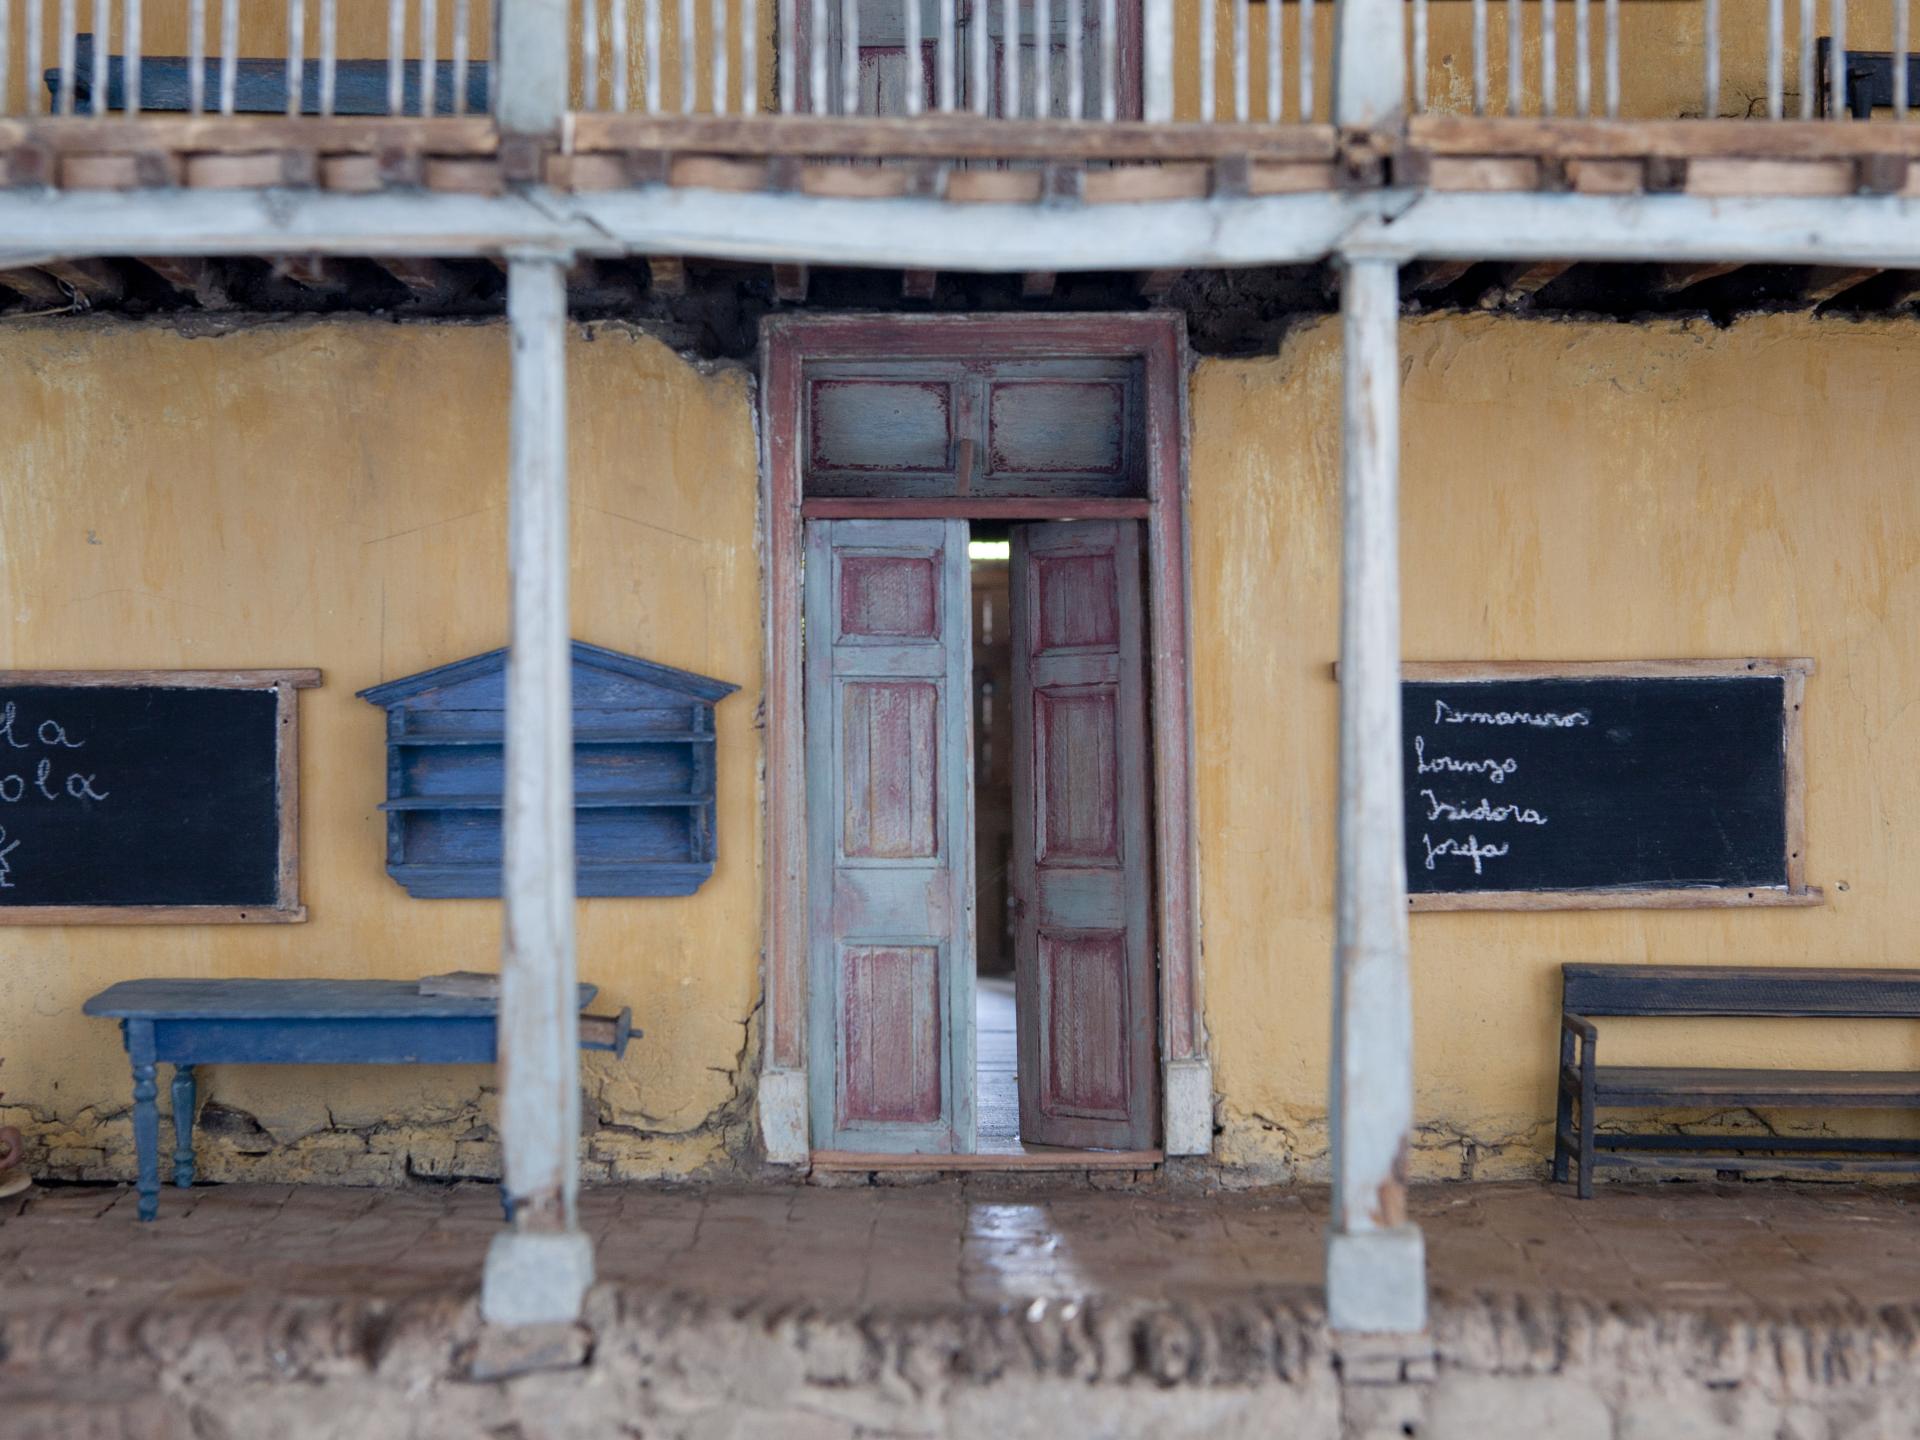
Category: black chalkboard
[1594,784]
[140,796]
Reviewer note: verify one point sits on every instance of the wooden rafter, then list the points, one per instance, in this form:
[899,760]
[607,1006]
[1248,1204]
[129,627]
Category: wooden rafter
[1672,279]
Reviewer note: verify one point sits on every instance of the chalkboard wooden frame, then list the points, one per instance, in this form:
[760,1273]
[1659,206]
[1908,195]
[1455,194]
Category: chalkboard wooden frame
[286,907]
[1793,672]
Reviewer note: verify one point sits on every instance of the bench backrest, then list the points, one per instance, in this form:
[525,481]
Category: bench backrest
[1734,990]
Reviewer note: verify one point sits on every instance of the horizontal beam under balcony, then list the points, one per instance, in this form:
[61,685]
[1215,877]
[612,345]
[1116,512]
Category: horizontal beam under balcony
[982,238]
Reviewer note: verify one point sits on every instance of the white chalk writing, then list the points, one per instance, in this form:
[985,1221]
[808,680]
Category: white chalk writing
[1438,809]
[1468,849]
[1445,714]
[1495,770]
[43,781]
[7,847]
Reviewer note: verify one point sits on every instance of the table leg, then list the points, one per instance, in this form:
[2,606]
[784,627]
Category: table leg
[183,1098]
[146,1115]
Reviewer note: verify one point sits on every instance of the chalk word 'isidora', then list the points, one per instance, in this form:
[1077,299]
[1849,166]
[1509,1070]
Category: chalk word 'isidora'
[1438,809]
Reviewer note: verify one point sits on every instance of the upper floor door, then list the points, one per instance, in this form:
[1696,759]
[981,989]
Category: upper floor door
[1108,34]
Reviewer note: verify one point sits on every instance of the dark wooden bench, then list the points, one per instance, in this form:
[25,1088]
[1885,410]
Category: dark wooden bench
[1594,991]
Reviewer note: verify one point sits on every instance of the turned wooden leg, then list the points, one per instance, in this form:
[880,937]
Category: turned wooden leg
[183,1098]
[146,1116]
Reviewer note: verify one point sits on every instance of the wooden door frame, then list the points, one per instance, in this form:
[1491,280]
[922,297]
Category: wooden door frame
[1158,340]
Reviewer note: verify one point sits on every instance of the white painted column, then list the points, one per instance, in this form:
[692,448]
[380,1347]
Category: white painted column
[538,1271]
[530,39]
[1369,63]
[1376,1264]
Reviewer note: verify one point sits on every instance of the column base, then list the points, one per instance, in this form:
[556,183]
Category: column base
[783,1116]
[1377,1281]
[1189,1107]
[536,1278]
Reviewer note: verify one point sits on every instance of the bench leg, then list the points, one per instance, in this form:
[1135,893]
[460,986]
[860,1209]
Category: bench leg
[1562,1111]
[183,1100]
[146,1116]
[1586,1133]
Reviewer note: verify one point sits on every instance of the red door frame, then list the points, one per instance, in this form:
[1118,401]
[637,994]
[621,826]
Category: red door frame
[1159,341]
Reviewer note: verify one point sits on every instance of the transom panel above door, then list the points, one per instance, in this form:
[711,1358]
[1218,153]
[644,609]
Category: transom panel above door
[918,429]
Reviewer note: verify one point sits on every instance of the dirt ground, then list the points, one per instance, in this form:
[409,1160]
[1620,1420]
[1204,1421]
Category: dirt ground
[962,1308]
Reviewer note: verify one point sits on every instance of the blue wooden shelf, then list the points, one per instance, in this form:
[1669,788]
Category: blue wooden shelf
[644,776]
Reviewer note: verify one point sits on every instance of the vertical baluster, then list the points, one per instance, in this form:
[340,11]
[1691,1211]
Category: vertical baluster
[69,45]
[749,56]
[1076,61]
[1776,58]
[329,53]
[6,58]
[396,53]
[621,58]
[102,42]
[1806,58]
[1109,68]
[491,25]
[944,59]
[1612,59]
[1837,63]
[650,20]
[817,58]
[296,55]
[1900,60]
[229,54]
[783,59]
[916,61]
[849,57]
[429,56]
[1479,57]
[1549,60]
[462,20]
[1276,70]
[1010,60]
[1582,60]
[1242,40]
[1306,60]
[1710,62]
[1209,48]
[1515,35]
[1042,58]
[36,22]
[717,20]
[590,54]
[978,14]
[1419,56]
[689,54]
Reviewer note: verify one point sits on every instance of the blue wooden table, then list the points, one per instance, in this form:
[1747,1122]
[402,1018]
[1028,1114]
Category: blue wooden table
[184,1023]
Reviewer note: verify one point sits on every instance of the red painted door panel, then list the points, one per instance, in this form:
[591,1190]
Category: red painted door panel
[1082,872]
[890,835]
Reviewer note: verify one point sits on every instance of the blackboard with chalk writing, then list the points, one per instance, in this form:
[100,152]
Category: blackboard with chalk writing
[148,796]
[1654,783]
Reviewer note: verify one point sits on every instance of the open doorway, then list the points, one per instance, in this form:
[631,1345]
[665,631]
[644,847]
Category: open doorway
[996,1047]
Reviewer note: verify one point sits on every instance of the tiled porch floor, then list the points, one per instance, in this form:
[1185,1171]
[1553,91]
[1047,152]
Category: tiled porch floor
[1745,1248]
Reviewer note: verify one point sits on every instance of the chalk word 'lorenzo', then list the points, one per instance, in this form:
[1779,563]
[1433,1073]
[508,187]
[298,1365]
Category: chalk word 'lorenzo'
[1438,809]
[1467,849]
[1495,770]
[1445,714]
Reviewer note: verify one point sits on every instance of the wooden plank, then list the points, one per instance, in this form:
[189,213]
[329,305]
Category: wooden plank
[1530,277]
[151,915]
[1457,135]
[1460,670]
[315,272]
[1425,277]
[957,137]
[98,281]
[1720,178]
[1291,177]
[472,135]
[474,176]
[1825,282]
[1796,991]
[202,279]
[256,171]
[1672,279]
[855,182]
[287,778]
[352,174]
[714,172]
[1624,1085]
[1127,184]
[301,679]
[790,283]
[426,279]
[1704,898]
[835,1161]
[977,507]
[1606,177]
[1484,172]
[1000,187]
[146,170]
[36,287]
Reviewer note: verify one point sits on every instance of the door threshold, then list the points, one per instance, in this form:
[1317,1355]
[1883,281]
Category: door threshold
[1026,1158]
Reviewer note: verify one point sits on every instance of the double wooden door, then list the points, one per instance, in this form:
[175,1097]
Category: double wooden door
[890,836]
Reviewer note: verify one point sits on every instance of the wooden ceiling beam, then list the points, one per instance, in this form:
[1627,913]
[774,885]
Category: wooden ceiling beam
[425,279]
[318,273]
[1824,282]
[1425,277]
[204,280]
[99,282]
[1672,279]
[36,287]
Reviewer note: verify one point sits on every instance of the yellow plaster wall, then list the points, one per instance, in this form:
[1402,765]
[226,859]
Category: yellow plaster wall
[331,493]
[1571,491]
